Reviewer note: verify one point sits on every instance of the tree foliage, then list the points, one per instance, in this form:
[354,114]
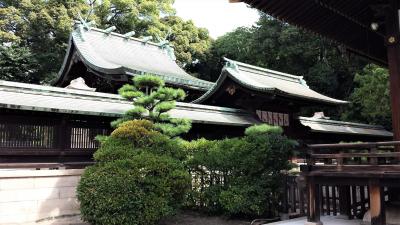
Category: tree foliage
[370,100]
[43,27]
[18,64]
[152,100]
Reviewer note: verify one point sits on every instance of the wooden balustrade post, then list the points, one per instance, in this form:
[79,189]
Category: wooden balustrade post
[377,203]
[344,202]
[314,195]
[373,160]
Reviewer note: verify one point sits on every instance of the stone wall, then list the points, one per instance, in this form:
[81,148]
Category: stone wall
[37,195]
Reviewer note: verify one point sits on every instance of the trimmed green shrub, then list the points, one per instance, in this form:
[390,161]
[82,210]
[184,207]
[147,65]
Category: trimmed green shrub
[139,177]
[136,191]
[113,149]
[240,176]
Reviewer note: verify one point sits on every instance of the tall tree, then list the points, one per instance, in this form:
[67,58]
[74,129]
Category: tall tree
[370,101]
[43,26]
[190,42]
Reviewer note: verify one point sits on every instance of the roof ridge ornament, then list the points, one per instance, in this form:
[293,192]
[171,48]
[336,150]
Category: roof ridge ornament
[85,24]
[303,82]
[110,29]
[231,64]
[165,45]
[129,34]
[146,39]
[79,84]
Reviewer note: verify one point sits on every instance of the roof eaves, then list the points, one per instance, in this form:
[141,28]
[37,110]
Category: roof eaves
[340,123]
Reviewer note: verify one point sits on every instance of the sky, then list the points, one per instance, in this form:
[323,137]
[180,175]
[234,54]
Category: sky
[218,16]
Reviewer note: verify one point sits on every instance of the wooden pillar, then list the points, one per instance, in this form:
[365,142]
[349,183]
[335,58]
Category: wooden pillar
[314,195]
[393,53]
[377,203]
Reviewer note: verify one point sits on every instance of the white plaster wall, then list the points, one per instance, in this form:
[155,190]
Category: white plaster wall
[34,195]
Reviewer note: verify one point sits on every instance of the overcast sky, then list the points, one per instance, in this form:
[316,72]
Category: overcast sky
[218,16]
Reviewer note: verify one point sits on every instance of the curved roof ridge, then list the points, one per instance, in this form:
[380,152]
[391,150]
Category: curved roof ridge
[122,36]
[261,69]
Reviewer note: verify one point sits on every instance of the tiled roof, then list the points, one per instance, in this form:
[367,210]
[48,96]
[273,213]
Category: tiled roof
[32,97]
[69,101]
[340,127]
[267,81]
[113,53]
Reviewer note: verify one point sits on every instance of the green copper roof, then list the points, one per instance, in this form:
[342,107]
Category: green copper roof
[32,97]
[340,127]
[267,81]
[70,101]
[115,54]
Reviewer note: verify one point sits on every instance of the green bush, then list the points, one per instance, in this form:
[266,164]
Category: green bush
[140,190]
[139,177]
[136,136]
[240,176]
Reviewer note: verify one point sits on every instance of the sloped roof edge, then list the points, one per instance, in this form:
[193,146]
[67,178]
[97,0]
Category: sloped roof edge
[334,126]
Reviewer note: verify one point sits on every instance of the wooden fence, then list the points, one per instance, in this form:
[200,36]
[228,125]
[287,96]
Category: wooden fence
[352,201]
[58,138]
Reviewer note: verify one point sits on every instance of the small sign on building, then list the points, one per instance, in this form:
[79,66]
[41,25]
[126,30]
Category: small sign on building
[273,118]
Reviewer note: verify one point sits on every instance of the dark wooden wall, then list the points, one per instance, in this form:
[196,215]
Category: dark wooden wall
[48,137]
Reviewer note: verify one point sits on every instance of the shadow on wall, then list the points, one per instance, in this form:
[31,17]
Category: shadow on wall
[39,196]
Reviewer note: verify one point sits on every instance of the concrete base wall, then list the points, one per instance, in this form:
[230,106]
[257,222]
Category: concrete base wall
[33,195]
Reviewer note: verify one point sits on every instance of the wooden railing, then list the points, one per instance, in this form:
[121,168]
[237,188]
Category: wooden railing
[350,159]
[351,178]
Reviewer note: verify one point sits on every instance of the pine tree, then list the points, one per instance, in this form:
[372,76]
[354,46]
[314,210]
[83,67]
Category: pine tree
[152,101]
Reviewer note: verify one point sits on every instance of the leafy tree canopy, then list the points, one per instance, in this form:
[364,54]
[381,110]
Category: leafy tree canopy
[43,27]
[370,100]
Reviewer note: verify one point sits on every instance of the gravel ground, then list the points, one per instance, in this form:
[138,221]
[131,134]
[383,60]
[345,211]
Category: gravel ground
[195,218]
[184,218]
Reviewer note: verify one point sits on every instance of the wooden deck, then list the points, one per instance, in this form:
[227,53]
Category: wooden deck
[326,220]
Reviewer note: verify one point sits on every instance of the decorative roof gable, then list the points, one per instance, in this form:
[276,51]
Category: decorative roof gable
[111,53]
[267,81]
